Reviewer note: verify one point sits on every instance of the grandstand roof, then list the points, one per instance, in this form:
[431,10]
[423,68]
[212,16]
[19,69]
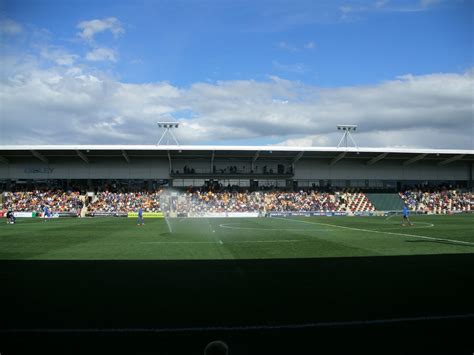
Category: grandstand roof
[9,153]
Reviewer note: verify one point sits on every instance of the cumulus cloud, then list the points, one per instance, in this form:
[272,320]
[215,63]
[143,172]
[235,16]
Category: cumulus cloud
[58,55]
[75,105]
[308,141]
[90,28]
[101,54]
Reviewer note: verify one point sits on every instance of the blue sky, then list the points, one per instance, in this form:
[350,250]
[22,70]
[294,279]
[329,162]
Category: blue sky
[270,62]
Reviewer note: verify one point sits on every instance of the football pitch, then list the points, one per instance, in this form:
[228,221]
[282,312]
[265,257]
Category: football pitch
[234,238]
[264,285]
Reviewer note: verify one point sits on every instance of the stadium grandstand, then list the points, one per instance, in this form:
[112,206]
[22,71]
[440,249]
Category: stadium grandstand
[248,245]
[100,180]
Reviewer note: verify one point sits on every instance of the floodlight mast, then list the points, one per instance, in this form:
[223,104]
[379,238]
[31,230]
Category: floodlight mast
[347,129]
[168,131]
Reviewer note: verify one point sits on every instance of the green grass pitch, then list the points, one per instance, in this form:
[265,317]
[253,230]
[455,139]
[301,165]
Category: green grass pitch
[160,284]
[234,238]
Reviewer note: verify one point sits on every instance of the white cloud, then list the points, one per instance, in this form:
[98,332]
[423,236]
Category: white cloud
[10,27]
[356,10]
[101,54]
[74,105]
[346,9]
[308,141]
[90,28]
[58,55]
[426,3]
[294,48]
[310,45]
[297,68]
[381,3]
[286,46]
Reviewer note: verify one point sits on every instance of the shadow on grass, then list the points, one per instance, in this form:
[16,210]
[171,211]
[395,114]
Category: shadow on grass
[133,295]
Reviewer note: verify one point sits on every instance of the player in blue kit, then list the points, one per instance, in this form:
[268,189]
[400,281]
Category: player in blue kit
[46,213]
[405,213]
[140,217]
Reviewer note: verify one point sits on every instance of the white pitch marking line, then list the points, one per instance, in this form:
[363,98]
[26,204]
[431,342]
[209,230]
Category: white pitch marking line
[229,226]
[390,217]
[427,225]
[378,231]
[242,327]
[178,242]
[235,242]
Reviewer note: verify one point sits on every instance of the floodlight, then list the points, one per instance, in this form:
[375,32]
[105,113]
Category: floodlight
[168,126]
[347,128]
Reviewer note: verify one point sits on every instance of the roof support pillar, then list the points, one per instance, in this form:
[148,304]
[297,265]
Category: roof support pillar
[125,156]
[377,158]
[336,159]
[415,159]
[212,161]
[40,156]
[254,159]
[450,160]
[169,159]
[82,156]
[298,157]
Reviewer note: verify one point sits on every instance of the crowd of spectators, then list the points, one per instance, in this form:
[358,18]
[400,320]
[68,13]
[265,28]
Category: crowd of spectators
[125,202]
[33,201]
[210,201]
[438,201]
[272,201]
[232,200]
[191,201]
[342,201]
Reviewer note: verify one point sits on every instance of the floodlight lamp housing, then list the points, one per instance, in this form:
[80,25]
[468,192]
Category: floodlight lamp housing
[347,127]
[168,124]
